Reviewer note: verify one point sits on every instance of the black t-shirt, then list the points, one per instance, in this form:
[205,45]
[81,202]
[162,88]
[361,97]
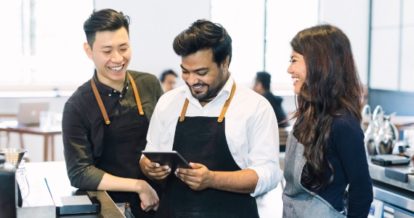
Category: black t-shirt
[276,103]
[346,154]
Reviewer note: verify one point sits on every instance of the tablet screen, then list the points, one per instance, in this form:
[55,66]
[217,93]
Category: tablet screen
[170,158]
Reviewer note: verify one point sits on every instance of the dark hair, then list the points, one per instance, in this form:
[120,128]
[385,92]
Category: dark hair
[165,73]
[332,88]
[203,34]
[264,78]
[103,20]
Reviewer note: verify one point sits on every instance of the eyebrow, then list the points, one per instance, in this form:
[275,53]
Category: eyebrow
[196,70]
[110,46]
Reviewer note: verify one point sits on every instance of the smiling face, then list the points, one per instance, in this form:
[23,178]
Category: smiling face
[297,70]
[203,76]
[111,54]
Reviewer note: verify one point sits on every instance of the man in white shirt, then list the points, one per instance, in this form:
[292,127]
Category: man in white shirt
[227,132]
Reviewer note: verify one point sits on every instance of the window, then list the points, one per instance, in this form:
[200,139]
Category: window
[245,22]
[392,45]
[44,44]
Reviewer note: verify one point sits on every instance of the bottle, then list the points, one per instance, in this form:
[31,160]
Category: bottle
[388,136]
[370,128]
[7,193]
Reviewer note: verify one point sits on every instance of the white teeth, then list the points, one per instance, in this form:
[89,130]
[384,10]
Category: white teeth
[116,68]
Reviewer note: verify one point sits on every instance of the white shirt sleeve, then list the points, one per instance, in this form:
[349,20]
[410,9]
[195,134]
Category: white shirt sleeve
[263,140]
[160,131]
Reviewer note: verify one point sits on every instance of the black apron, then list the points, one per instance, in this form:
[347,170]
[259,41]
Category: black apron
[124,139]
[203,140]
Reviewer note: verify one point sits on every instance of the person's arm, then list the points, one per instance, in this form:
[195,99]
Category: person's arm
[148,196]
[78,150]
[80,166]
[150,92]
[262,173]
[349,141]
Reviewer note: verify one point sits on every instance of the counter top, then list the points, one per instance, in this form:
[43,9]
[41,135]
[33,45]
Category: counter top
[398,176]
[39,202]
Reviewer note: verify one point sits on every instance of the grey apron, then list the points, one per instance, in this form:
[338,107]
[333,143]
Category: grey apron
[298,201]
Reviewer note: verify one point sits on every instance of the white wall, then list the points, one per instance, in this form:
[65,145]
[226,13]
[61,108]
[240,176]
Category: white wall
[154,24]
[352,17]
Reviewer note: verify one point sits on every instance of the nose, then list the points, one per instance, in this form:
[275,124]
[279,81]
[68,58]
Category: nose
[116,57]
[289,69]
[191,78]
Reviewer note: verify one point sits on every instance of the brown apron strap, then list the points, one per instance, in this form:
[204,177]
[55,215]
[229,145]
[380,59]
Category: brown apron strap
[226,104]
[184,110]
[223,110]
[136,94]
[100,103]
[102,107]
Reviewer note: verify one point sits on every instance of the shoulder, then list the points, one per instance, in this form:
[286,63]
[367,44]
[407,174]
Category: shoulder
[248,97]
[345,122]
[81,94]
[251,103]
[346,132]
[143,77]
[172,99]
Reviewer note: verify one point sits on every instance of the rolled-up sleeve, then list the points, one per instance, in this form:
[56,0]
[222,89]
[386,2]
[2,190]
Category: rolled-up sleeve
[78,150]
[263,154]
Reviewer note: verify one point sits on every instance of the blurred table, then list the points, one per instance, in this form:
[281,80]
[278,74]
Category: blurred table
[11,126]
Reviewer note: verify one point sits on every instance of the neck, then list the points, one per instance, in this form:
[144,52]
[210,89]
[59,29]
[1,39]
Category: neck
[117,85]
[220,87]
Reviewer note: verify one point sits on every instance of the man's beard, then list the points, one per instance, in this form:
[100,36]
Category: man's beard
[211,92]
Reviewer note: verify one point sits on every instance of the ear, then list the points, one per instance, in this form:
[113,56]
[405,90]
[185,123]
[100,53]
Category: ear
[88,50]
[226,62]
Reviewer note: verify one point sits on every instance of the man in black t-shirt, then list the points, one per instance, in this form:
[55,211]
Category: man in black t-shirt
[262,86]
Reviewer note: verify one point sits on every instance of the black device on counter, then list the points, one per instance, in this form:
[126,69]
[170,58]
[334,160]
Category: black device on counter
[170,158]
[390,160]
[71,201]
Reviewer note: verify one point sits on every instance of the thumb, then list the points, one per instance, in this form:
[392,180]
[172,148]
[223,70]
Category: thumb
[196,165]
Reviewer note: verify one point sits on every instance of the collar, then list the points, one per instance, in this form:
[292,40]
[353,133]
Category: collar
[223,94]
[109,91]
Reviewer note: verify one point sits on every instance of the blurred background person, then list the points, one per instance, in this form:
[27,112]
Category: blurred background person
[168,79]
[262,86]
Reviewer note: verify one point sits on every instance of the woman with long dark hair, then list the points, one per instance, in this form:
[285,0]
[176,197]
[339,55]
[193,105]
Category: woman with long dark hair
[326,168]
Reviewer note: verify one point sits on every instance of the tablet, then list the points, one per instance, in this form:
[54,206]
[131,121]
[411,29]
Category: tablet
[170,158]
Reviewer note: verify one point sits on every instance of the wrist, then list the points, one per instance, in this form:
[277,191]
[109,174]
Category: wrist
[139,185]
[212,179]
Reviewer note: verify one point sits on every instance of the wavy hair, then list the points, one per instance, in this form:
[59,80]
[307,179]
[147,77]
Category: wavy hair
[204,34]
[332,88]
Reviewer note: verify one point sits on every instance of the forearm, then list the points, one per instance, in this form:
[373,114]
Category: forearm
[242,181]
[115,183]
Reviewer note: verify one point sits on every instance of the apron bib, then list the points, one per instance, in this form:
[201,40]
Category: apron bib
[298,201]
[203,140]
[124,139]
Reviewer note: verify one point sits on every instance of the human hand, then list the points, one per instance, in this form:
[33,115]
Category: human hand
[147,195]
[154,170]
[198,178]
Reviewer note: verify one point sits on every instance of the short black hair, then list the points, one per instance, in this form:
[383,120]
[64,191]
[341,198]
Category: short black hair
[165,73]
[103,20]
[204,34]
[264,78]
